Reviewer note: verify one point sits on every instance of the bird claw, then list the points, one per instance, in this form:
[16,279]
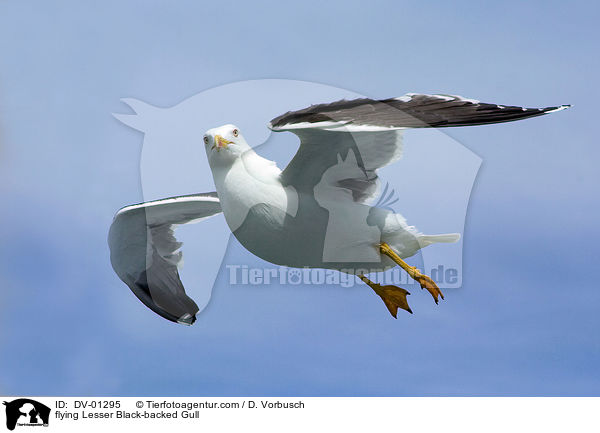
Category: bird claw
[393,297]
[427,283]
[422,279]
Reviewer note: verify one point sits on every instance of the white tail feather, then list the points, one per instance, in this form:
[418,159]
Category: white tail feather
[425,240]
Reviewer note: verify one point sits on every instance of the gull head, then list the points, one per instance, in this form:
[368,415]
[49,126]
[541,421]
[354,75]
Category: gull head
[224,145]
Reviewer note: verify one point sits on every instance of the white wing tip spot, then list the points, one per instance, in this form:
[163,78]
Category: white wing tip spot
[562,107]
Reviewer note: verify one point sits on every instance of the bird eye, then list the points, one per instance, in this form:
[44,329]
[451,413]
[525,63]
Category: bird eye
[205,139]
[236,132]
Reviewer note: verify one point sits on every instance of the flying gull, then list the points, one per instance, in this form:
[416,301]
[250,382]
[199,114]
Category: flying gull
[314,213]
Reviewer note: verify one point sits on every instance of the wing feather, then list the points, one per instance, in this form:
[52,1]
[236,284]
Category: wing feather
[145,253]
[409,111]
[372,130]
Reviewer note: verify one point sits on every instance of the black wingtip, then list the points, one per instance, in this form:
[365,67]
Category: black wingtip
[177,303]
[187,319]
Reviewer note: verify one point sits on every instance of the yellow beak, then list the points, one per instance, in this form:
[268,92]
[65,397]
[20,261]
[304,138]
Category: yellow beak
[221,142]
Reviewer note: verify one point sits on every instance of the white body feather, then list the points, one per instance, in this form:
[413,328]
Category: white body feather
[250,180]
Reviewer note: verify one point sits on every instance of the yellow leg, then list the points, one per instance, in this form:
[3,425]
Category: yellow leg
[422,279]
[393,297]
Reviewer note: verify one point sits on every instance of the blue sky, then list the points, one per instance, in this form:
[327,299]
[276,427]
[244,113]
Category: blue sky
[522,324]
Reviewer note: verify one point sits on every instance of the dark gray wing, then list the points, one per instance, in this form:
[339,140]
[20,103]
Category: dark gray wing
[372,129]
[409,111]
[144,252]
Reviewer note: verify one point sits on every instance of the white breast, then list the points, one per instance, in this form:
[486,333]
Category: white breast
[249,181]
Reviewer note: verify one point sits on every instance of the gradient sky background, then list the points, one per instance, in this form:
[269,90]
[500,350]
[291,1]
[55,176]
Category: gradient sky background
[525,321]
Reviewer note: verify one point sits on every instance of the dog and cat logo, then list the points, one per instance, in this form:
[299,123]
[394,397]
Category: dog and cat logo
[26,412]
